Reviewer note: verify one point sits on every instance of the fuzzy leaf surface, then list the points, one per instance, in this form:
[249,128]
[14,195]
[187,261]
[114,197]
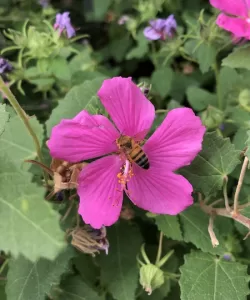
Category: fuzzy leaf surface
[170,226]
[29,225]
[207,277]
[217,159]
[33,280]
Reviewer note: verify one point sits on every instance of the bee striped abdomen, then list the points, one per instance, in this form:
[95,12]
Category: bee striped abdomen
[139,157]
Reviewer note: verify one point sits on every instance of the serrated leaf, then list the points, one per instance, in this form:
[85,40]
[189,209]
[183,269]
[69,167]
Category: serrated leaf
[248,144]
[195,230]
[206,277]
[73,288]
[119,270]
[4,116]
[16,143]
[28,280]
[170,226]
[217,159]
[162,81]
[78,98]
[29,225]
[239,58]
[200,99]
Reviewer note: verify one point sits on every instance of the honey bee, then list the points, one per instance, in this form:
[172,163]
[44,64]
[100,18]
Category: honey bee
[133,151]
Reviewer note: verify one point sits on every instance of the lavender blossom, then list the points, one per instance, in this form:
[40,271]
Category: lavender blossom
[5,66]
[63,23]
[160,28]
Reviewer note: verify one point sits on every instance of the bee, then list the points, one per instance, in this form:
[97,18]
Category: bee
[133,151]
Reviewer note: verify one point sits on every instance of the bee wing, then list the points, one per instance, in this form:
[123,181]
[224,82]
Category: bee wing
[140,135]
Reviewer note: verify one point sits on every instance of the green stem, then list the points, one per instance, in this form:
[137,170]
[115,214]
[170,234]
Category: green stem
[4,265]
[217,74]
[20,112]
[225,180]
[158,257]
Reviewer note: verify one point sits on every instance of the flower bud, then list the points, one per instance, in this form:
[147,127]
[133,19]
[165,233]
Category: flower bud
[244,99]
[212,117]
[151,277]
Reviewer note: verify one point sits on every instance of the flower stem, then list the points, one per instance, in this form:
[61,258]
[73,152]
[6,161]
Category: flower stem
[158,257]
[239,185]
[22,115]
[4,265]
[225,193]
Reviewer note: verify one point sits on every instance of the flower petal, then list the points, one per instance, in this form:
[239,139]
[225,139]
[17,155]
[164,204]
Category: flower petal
[100,198]
[151,34]
[131,111]
[239,27]
[84,137]
[233,7]
[177,141]
[159,191]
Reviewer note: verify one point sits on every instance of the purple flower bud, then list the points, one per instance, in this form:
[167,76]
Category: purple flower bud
[63,23]
[160,28]
[5,66]
[44,3]
[227,256]
[123,19]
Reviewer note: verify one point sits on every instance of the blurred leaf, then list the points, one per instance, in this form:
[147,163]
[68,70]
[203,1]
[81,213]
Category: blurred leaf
[119,270]
[2,292]
[4,117]
[118,48]
[87,269]
[33,280]
[162,81]
[170,226]
[239,58]
[195,230]
[16,143]
[206,277]
[200,99]
[82,61]
[78,98]
[29,225]
[204,53]
[60,68]
[73,288]
[240,138]
[99,10]
[141,49]
[217,159]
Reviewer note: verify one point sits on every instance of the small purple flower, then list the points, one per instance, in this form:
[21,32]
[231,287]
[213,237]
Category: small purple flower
[63,23]
[44,3]
[123,19]
[160,28]
[5,66]
[227,256]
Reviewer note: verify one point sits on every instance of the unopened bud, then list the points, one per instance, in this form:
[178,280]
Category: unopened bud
[151,278]
[212,117]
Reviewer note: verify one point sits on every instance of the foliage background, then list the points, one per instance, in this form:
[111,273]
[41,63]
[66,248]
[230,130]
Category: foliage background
[56,78]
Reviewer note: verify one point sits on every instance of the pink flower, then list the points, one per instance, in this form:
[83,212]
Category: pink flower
[102,182]
[237,17]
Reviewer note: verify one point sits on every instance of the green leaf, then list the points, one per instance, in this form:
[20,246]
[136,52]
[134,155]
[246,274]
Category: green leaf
[99,9]
[119,270]
[28,280]
[73,288]
[4,117]
[141,49]
[207,277]
[29,225]
[240,138]
[248,144]
[170,226]
[239,58]
[16,143]
[78,98]
[2,292]
[217,159]
[162,81]
[200,99]
[60,68]
[195,230]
